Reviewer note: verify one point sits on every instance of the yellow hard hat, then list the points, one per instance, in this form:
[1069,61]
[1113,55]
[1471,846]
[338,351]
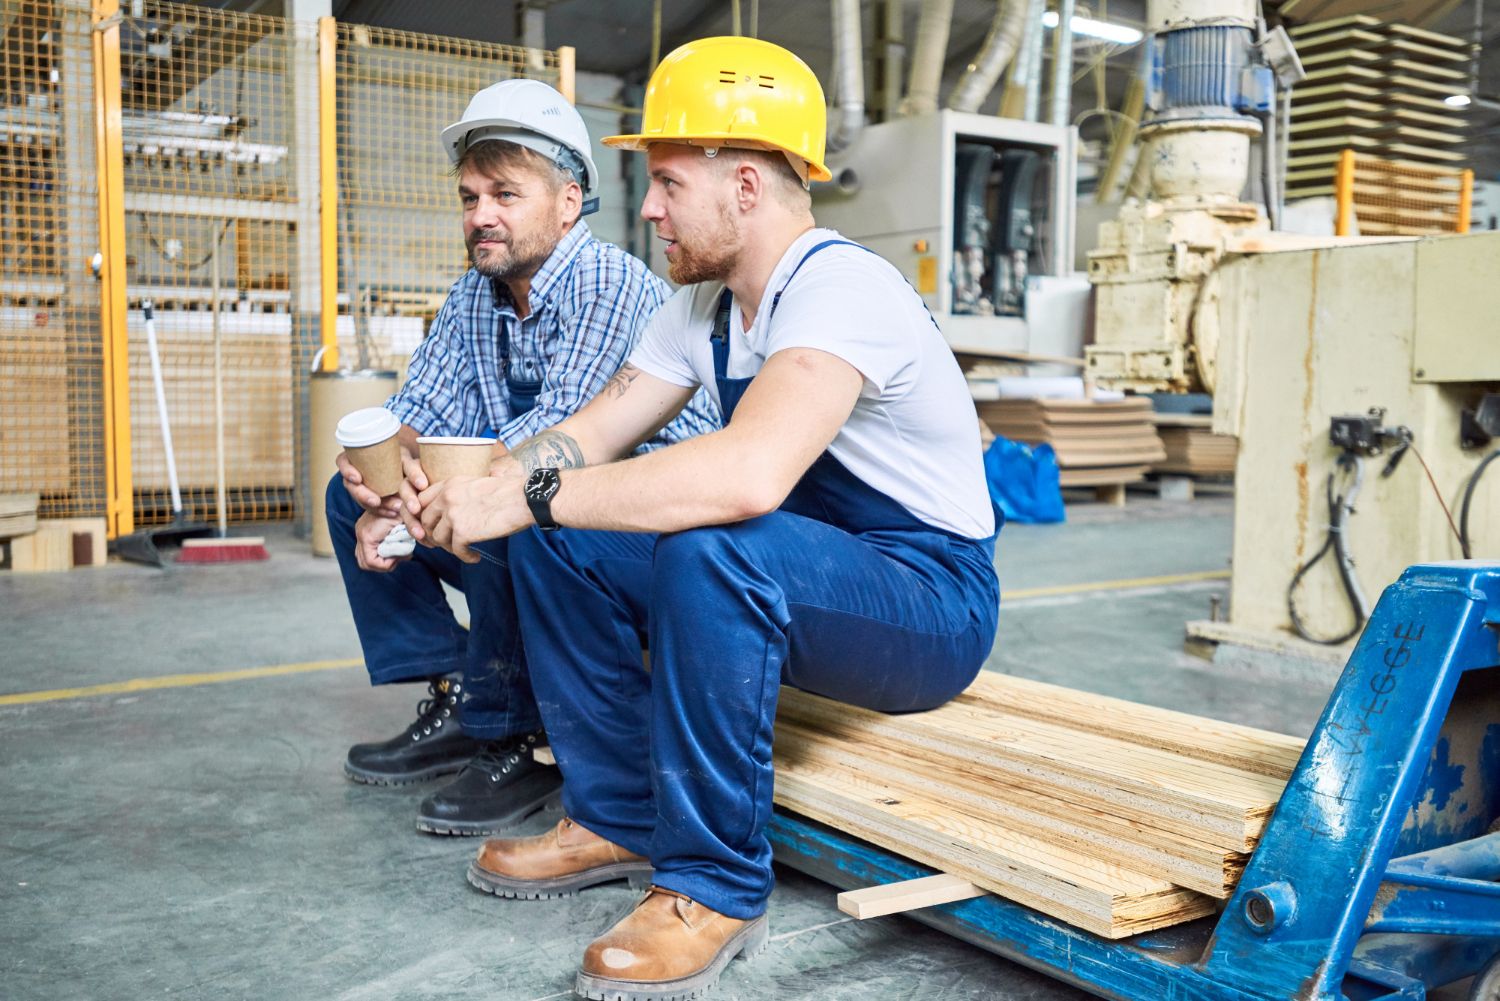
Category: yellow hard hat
[733,91]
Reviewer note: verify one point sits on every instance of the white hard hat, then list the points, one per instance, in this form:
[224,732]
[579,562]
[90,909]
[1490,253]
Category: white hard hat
[529,113]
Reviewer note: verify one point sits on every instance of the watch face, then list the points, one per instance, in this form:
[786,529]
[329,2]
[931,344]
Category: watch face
[542,484]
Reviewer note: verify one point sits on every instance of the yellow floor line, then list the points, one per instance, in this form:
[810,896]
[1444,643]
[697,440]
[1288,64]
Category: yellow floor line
[176,681]
[1115,585]
[188,680]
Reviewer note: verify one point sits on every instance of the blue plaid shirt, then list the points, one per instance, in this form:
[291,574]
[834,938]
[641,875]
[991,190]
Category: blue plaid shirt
[589,301]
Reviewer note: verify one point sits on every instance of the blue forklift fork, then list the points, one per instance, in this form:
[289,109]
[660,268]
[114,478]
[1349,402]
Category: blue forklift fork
[1376,877]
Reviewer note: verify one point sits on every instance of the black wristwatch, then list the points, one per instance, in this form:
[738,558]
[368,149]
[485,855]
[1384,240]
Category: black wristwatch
[541,487]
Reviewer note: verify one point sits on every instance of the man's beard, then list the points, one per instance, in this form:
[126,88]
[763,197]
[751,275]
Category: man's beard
[706,256]
[516,257]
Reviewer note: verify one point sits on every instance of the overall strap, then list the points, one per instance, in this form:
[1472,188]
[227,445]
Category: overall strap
[776,299]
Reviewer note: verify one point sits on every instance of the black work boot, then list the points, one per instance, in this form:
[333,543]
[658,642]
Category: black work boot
[432,746]
[500,786]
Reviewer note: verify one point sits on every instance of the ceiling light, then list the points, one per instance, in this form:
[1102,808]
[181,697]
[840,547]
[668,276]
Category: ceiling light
[1457,100]
[1107,30]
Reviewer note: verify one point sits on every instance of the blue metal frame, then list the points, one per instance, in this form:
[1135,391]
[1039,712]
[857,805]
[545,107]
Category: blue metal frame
[1323,911]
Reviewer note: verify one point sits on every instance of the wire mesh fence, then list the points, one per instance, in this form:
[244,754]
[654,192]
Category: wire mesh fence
[211,219]
[51,369]
[1391,197]
[400,245]
[219,141]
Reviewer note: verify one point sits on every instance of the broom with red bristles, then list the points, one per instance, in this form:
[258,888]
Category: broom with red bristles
[221,549]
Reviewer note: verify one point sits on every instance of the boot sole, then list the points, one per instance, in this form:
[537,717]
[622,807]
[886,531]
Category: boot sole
[638,873]
[747,942]
[369,778]
[474,828]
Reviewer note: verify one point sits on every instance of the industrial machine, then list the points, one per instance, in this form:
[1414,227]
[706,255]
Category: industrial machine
[973,209]
[1376,877]
[1196,292]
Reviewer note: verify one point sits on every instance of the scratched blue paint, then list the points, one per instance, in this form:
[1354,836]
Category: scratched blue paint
[1442,779]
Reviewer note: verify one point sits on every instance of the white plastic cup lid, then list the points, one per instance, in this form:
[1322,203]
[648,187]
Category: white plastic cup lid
[440,440]
[366,427]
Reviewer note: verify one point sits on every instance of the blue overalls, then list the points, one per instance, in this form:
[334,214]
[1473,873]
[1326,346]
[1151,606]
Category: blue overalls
[407,628]
[841,592]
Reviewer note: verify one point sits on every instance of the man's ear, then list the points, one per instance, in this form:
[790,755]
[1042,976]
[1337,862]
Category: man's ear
[750,185]
[570,208]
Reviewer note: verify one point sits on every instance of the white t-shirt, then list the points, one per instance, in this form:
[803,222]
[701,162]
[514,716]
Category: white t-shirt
[912,435]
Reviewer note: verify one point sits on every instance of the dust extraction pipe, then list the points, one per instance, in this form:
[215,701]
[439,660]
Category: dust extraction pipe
[999,49]
[849,57]
[927,58]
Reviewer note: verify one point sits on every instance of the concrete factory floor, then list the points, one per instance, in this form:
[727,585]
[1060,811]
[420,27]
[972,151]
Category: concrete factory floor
[202,841]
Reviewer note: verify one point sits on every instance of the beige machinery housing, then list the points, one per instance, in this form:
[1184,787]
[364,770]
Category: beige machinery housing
[1195,292]
[1307,335]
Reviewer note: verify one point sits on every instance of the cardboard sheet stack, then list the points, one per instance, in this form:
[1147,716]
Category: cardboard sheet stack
[1375,88]
[1097,443]
[1192,447]
[1114,817]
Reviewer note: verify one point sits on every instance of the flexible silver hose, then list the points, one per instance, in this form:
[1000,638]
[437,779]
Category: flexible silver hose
[849,88]
[1000,47]
[928,53]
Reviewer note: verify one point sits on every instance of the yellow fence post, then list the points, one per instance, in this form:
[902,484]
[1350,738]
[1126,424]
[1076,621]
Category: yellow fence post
[1343,194]
[328,190]
[119,511]
[565,82]
[1465,200]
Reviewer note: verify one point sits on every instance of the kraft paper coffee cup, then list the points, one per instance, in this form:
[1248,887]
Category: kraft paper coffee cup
[369,440]
[445,458]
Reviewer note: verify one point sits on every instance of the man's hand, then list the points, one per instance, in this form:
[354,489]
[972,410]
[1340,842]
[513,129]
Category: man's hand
[464,510]
[363,495]
[369,532]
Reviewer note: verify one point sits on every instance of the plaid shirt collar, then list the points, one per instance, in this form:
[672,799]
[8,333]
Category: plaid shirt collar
[553,269]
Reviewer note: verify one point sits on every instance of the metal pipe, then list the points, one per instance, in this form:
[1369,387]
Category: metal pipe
[849,88]
[1062,64]
[928,53]
[734,17]
[1269,164]
[1036,43]
[845,182]
[219,477]
[655,34]
[999,48]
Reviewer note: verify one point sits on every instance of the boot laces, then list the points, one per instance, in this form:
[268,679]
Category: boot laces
[433,711]
[497,758]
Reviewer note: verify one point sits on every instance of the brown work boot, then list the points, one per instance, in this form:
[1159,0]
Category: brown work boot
[669,947]
[566,858]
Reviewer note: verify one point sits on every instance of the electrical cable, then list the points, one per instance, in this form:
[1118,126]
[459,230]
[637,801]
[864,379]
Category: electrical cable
[1340,507]
[1456,533]
[1463,514]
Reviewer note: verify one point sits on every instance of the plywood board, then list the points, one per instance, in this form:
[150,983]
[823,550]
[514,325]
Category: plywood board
[1319,27]
[1197,799]
[48,549]
[1339,57]
[907,895]
[1109,901]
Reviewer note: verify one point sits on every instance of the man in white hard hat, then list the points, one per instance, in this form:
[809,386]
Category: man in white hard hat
[528,335]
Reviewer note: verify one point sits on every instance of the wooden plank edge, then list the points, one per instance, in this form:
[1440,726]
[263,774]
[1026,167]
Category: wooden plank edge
[908,895]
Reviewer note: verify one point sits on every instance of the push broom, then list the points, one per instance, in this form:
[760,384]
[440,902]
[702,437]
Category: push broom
[220,548]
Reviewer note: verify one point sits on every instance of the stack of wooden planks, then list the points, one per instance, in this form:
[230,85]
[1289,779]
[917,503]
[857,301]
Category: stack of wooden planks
[1192,447]
[1097,443]
[1376,88]
[1114,817]
[18,514]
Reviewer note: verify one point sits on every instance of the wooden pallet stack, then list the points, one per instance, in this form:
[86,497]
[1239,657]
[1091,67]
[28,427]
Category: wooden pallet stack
[1097,443]
[1379,89]
[1115,817]
[1192,447]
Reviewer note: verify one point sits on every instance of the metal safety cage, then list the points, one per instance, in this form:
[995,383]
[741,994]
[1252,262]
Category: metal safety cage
[52,390]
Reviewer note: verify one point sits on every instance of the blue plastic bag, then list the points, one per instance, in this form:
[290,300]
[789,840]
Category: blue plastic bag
[1023,481]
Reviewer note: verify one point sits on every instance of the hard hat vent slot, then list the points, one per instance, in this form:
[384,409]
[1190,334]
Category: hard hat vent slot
[728,76]
[768,82]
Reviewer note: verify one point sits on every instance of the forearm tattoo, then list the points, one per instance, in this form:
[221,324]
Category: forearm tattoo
[548,450]
[620,382]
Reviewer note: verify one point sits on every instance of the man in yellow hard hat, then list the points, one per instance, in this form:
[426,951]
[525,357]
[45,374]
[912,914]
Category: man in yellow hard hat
[836,535]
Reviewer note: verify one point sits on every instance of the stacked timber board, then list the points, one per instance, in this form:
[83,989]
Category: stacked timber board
[1115,817]
[18,514]
[1097,443]
[1192,447]
[1376,88]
